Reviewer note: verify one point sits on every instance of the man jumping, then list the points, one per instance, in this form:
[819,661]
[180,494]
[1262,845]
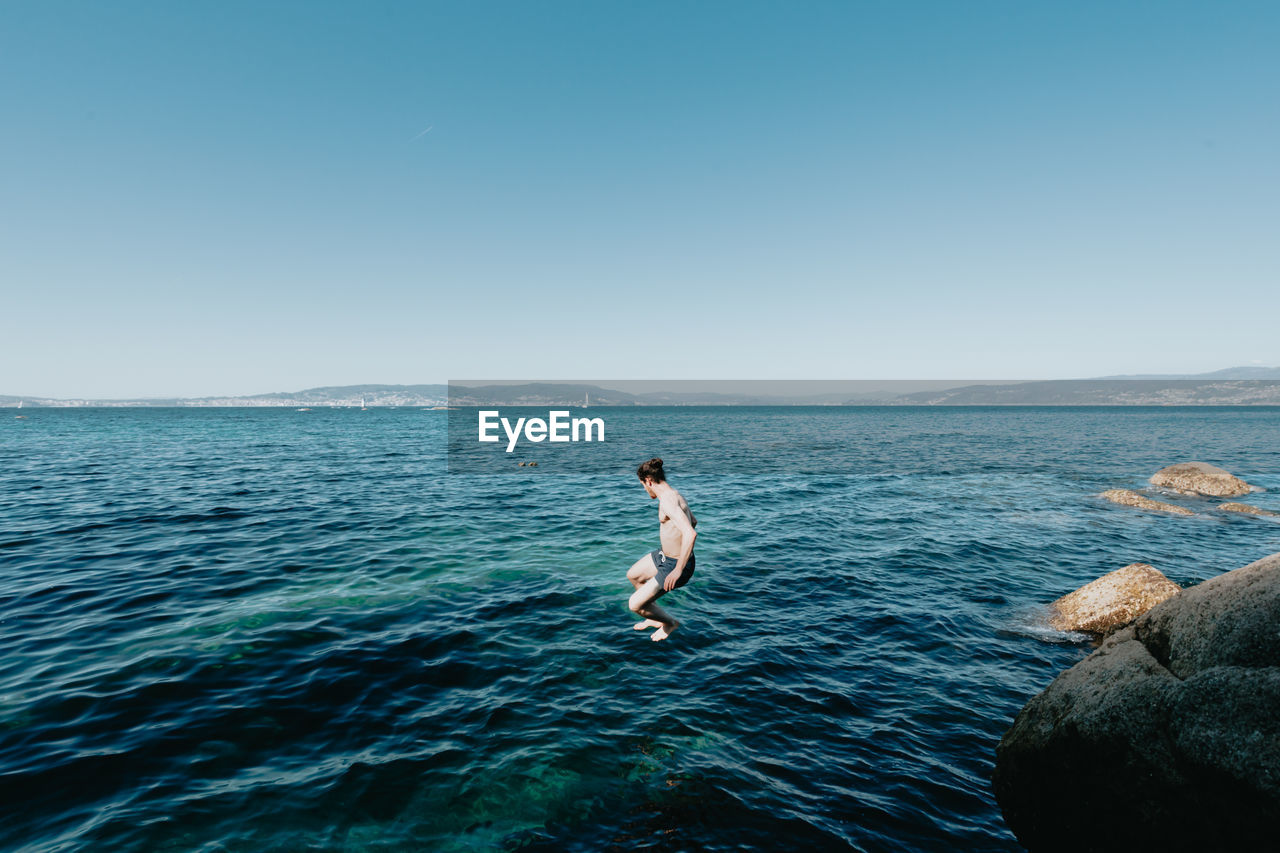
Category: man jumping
[669,567]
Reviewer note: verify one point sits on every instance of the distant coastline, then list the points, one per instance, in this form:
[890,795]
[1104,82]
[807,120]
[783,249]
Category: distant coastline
[1232,387]
[345,396]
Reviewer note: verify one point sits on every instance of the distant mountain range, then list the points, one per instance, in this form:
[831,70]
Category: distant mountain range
[338,396]
[1060,392]
[1228,373]
[1233,386]
[574,394]
[1108,392]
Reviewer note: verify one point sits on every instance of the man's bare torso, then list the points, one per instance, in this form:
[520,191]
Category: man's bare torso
[668,532]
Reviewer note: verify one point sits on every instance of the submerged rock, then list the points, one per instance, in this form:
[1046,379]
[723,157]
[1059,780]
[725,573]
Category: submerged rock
[1131,498]
[1166,737]
[1113,600]
[1247,509]
[1200,478]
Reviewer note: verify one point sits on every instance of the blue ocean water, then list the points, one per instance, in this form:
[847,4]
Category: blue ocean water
[261,629]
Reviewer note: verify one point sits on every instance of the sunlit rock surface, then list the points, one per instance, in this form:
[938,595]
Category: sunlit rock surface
[1246,509]
[1200,478]
[1113,600]
[1131,498]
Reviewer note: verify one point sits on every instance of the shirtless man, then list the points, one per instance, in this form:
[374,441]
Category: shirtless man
[670,566]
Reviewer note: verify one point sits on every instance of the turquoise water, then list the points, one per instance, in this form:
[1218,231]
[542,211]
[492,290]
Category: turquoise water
[259,629]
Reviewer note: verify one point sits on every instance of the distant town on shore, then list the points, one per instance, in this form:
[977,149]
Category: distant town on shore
[1231,387]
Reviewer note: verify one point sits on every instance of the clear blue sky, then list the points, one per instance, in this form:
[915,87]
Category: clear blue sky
[224,198]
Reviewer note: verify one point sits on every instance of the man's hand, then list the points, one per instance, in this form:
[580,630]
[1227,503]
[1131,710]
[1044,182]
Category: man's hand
[670,583]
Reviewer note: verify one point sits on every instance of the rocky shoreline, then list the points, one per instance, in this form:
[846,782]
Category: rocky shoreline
[1168,735]
[1190,479]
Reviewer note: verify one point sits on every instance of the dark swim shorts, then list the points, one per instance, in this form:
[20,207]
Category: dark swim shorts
[665,565]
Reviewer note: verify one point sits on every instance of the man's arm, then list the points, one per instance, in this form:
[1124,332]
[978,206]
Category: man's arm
[687,534]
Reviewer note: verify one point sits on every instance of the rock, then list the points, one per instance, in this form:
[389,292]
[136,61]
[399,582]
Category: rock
[1113,600]
[519,464]
[1166,737]
[533,464]
[1200,478]
[1246,509]
[1130,498]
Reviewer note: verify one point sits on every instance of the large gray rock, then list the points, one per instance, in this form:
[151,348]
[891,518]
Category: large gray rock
[1200,478]
[1166,737]
[1113,600]
[1131,498]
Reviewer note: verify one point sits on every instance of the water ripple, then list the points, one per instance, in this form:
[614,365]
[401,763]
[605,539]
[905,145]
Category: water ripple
[243,630]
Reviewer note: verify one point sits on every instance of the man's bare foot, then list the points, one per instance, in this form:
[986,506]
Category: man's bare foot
[648,623]
[664,631]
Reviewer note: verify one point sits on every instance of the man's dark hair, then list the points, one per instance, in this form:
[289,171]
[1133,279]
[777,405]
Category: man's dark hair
[652,469]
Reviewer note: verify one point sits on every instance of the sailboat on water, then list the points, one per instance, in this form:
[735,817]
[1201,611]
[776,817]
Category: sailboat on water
[362,406]
[586,404]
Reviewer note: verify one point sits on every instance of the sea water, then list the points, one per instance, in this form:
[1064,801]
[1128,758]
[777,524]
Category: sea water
[261,629]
